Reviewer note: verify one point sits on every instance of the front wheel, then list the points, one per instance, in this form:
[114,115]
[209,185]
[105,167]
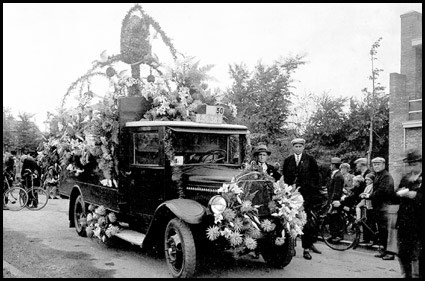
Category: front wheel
[15,199]
[79,216]
[180,250]
[338,233]
[279,256]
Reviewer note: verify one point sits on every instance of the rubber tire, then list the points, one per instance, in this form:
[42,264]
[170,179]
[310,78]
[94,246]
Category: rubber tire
[279,256]
[79,204]
[188,248]
[353,244]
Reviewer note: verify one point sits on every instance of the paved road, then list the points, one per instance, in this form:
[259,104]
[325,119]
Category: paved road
[40,244]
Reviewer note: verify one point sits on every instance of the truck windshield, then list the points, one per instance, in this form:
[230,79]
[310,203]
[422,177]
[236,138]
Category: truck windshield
[198,148]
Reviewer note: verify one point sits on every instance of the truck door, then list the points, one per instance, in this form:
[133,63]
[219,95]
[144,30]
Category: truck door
[146,190]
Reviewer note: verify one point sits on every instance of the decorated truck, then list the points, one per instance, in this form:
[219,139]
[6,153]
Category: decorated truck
[183,190]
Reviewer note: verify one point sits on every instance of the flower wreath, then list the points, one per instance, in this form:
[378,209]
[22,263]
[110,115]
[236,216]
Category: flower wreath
[240,223]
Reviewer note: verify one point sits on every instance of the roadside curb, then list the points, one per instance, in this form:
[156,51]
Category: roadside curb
[14,271]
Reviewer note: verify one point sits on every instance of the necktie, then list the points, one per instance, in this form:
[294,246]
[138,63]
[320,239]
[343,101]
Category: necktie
[297,159]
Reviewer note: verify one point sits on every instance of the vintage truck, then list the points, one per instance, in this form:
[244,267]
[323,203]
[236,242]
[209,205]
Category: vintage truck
[167,205]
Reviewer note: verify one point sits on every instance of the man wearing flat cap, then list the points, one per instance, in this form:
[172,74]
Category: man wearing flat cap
[261,153]
[410,217]
[361,167]
[302,170]
[382,196]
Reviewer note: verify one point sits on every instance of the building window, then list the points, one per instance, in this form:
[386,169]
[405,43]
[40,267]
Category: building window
[415,109]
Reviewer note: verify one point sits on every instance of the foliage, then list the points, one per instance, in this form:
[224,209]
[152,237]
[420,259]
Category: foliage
[25,134]
[9,135]
[240,223]
[262,99]
[336,131]
[262,96]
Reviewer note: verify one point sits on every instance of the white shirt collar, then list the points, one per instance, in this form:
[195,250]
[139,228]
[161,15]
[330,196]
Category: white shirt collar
[334,172]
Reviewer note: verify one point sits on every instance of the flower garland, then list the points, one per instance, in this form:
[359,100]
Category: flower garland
[240,224]
[100,223]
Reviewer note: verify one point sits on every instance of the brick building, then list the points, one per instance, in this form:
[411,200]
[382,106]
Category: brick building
[405,128]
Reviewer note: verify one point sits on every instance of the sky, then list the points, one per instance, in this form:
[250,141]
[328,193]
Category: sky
[48,46]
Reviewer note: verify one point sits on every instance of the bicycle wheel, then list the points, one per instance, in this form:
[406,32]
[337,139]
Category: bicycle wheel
[15,199]
[37,199]
[338,233]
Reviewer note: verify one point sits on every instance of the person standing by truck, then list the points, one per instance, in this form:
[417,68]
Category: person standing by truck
[261,153]
[302,170]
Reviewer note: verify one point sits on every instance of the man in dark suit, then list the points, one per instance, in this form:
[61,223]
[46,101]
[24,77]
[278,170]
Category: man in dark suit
[261,153]
[336,184]
[302,170]
[30,166]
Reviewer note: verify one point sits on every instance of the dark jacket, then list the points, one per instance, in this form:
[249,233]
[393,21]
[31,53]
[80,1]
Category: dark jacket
[335,187]
[410,211]
[31,164]
[383,190]
[306,175]
[272,171]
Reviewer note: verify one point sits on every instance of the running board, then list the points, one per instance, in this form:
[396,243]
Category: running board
[134,237]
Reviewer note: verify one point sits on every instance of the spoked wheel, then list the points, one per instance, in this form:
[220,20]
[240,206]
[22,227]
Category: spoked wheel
[79,216]
[180,250]
[15,199]
[338,233]
[37,199]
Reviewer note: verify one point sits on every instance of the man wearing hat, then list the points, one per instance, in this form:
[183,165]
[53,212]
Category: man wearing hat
[410,216]
[382,196]
[261,153]
[361,167]
[336,184]
[302,170]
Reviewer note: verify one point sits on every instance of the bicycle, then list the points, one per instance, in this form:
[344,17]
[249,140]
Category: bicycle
[340,229]
[37,196]
[15,198]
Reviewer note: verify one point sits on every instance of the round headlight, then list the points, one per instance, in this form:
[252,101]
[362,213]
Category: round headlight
[217,204]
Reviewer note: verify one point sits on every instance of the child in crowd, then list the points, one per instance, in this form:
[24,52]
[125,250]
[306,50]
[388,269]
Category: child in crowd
[364,203]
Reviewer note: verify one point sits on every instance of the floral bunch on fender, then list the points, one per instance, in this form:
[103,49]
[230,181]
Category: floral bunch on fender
[100,223]
[258,209]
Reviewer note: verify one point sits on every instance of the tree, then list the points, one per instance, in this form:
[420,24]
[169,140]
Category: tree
[370,96]
[262,99]
[262,96]
[325,129]
[28,136]
[9,136]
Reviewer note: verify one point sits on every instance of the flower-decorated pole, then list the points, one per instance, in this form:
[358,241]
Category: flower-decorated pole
[135,46]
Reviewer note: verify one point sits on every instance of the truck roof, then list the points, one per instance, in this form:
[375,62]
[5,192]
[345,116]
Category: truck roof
[188,126]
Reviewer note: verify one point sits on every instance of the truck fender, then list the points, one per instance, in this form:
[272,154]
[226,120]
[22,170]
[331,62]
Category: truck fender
[187,210]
